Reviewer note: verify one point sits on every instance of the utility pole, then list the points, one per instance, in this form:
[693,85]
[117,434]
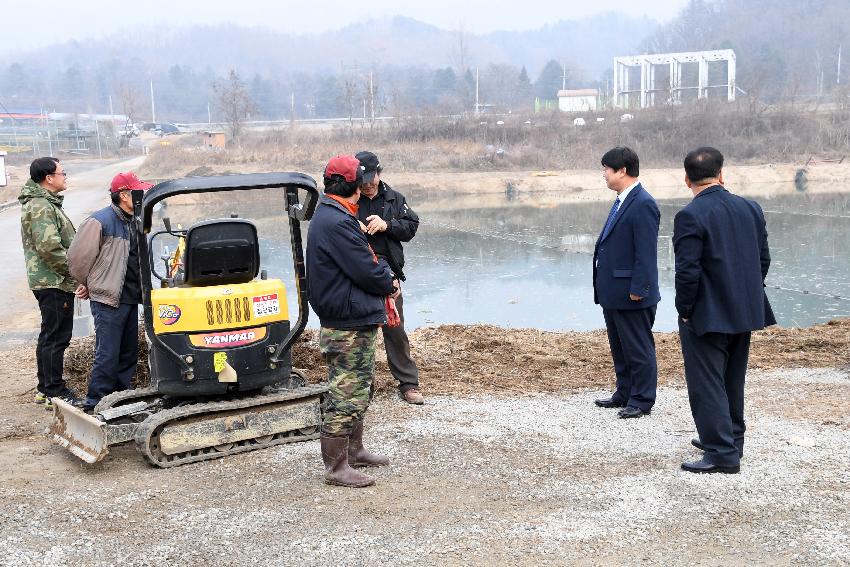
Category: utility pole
[97,135]
[292,109]
[371,97]
[564,82]
[153,108]
[209,114]
[477,106]
[838,73]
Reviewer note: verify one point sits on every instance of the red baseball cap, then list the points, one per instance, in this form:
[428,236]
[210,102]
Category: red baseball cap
[347,166]
[128,181]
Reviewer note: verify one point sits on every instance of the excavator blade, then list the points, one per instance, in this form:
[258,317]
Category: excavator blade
[85,436]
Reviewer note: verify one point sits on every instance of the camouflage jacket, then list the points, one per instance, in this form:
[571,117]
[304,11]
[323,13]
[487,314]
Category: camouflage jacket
[46,233]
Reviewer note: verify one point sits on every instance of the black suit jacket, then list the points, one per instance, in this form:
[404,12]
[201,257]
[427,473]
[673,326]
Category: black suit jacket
[722,259]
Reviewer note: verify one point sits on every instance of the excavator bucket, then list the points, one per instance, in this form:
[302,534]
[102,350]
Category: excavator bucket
[83,435]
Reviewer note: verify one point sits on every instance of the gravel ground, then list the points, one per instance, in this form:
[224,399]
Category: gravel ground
[537,479]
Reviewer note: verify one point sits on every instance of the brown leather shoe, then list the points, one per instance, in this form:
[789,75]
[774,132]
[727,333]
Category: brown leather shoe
[359,456]
[412,396]
[337,469]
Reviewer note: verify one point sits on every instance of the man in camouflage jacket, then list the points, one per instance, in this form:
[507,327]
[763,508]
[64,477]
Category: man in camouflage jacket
[46,234]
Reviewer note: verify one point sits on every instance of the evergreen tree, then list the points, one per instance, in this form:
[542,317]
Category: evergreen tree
[524,90]
[550,80]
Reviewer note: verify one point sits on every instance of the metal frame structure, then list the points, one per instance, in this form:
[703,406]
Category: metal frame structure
[674,61]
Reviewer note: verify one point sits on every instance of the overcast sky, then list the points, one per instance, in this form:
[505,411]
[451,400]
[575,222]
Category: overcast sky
[25,25]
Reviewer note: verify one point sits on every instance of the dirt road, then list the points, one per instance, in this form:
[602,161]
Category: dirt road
[86,193]
[511,465]
[506,480]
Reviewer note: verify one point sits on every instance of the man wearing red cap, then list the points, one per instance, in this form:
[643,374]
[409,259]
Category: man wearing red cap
[347,285]
[104,259]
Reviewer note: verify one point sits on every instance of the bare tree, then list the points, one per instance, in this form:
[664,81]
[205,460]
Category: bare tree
[459,55]
[499,84]
[234,102]
[349,94]
[129,101]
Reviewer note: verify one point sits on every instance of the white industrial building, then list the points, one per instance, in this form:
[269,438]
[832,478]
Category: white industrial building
[579,100]
[670,89]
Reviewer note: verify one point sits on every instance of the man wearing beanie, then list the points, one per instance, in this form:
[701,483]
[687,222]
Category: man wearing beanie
[347,285]
[389,221]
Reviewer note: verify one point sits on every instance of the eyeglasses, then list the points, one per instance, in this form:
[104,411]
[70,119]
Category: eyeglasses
[62,173]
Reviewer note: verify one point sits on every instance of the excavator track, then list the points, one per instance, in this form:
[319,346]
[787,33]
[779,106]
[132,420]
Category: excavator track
[118,398]
[203,431]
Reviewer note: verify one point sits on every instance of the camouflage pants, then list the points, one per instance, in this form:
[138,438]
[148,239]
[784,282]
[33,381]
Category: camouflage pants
[351,365]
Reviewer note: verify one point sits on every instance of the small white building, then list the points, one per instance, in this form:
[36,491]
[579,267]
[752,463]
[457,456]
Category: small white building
[579,100]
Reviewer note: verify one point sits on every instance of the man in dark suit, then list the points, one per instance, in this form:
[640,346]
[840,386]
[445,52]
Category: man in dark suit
[625,284]
[722,258]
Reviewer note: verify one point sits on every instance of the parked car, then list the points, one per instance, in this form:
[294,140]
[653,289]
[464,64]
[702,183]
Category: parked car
[166,129]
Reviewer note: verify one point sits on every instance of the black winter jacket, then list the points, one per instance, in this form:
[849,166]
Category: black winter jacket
[402,224]
[345,285]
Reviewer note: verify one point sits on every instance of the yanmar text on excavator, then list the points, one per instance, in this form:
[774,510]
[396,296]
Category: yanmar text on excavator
[219,334]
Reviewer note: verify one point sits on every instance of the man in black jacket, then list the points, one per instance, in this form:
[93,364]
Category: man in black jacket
[389,221]
[722,258]
[347,286]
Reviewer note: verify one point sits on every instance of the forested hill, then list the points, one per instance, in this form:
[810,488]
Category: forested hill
[786,50]
[405,56]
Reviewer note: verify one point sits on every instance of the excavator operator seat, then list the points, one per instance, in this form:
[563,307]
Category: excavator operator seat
[221,252]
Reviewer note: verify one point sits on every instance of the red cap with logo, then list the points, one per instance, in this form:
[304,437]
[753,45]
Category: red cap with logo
[347,166]
[128,181]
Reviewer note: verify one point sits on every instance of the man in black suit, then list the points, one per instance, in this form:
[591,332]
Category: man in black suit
[625,284]
[722,258]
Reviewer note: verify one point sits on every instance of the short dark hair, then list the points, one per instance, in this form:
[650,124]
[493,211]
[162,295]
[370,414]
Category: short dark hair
[115,197]
[703,163]
[620,157]
[337,185]
[42,167]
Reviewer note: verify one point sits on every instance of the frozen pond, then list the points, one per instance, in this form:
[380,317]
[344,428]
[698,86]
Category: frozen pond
[517,263]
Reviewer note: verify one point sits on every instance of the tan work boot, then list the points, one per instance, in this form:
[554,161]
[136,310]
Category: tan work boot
[337,470]
[359,456]
[412,396]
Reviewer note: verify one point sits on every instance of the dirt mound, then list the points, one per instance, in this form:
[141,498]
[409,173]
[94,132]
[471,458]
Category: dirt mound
[462,359]
[484,358]
[79,359]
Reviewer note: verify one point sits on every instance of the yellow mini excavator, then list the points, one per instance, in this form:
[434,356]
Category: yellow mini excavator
[220,339]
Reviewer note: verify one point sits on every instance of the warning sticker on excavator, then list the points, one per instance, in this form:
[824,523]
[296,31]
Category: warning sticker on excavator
[219,360]
[265,305]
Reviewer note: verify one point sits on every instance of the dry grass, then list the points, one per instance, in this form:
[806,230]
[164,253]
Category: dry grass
[278,153]
[745,133]
[465,359]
